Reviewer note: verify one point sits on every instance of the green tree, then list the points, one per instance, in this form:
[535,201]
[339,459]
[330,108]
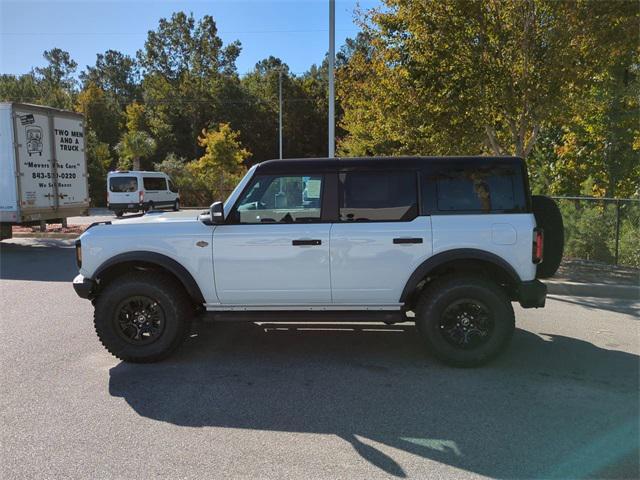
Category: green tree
[57,79]
[475,76]
[133,147]
[304,110]
[184,63]
[103,117]
[20,88]
[135,115]
[222,165]
[116,74]
[98,162]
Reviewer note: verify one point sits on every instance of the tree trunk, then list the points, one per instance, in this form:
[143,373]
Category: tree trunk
[136,164]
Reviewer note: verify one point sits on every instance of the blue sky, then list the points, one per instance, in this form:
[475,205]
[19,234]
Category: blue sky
[296,31]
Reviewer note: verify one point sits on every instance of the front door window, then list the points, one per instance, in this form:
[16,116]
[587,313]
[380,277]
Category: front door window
[281,199]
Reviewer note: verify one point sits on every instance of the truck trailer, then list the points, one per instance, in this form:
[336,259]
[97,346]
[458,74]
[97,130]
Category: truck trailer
[43,165]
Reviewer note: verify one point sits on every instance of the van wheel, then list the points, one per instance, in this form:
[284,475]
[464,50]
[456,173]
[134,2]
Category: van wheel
[465,321]
[150,206]
[142,317]
[119,213]
[176,206]
[549,217]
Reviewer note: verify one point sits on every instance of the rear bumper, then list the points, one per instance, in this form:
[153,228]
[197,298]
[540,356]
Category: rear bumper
[83,286]
[125,206]
[532,294]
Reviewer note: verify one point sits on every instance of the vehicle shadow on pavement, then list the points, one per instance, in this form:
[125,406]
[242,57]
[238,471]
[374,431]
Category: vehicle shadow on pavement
[550,407]
[41,260]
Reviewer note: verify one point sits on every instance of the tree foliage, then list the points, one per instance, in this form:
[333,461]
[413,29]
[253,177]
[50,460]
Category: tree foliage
[222,165]
[556,81]
[486,76]
[134,146]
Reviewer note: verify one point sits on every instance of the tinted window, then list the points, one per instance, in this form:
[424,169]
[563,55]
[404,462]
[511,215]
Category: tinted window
[281,199]
[478,188]
[172,187]
[154,183]
[123,184]
[379,196]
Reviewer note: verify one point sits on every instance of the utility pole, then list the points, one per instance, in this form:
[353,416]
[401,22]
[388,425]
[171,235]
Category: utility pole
[280,110]
[332,99]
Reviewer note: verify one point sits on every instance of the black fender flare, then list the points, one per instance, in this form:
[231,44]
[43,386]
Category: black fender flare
[447,256]
[163,261]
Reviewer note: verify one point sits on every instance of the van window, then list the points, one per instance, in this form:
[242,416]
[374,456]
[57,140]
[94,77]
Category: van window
[478,188]
[123,184]
[378,196]
[281,199]
[172,186]
[154,183]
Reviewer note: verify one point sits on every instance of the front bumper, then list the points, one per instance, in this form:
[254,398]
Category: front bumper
[83,286]
[532,294]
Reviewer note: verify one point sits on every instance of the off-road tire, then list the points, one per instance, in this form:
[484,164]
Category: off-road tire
[548,217]
[435,299]
[164,290]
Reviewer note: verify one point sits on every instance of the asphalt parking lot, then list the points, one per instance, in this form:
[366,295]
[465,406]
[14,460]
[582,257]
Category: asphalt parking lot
[309,401]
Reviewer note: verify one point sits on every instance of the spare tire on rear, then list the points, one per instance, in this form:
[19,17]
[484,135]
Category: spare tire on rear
[548,217]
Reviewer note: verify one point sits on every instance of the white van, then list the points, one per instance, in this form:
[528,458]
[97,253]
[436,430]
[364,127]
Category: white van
[131,191]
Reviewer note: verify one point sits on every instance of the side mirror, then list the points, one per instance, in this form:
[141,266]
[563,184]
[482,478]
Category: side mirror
[217,212]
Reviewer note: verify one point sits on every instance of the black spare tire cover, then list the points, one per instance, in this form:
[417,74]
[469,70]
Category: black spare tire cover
[548,217]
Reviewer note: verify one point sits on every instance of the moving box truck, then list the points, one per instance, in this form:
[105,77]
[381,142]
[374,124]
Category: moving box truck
[43,165]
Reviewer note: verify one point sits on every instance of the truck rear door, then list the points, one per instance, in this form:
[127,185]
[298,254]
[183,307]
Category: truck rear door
[34,164]
[71,168]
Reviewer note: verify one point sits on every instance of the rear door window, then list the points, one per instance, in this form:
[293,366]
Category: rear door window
[123,184]
[378,196]
[154,183]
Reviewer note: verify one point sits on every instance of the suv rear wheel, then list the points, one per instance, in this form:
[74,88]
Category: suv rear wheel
[465,321]
[142,317]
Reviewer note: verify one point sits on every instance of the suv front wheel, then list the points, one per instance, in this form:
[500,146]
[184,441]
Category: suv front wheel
[142,317]
[465,321]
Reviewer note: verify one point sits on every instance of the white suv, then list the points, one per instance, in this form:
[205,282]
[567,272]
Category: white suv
[133,191]
[446,242]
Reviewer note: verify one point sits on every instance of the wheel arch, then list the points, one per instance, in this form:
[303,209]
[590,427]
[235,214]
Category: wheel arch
[461,260]
[144,260]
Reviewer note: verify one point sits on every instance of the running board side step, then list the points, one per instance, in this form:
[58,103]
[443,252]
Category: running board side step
[308,316]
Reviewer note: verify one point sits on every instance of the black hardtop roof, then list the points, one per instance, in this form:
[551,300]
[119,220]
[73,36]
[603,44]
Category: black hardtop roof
[366,163]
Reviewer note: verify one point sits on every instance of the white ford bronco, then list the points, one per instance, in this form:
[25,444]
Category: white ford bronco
[447,243]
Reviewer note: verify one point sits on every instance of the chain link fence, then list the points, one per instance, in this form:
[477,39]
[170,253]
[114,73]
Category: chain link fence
[601,229]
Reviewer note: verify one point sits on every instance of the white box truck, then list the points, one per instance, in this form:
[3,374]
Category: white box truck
[43,165]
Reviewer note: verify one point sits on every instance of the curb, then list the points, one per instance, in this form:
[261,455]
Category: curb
[626,292]
[59,235]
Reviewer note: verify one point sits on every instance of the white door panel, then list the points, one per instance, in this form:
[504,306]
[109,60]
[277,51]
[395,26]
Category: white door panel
[367,267]
[260,265]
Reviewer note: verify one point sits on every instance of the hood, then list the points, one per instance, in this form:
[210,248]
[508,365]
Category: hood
[160,217]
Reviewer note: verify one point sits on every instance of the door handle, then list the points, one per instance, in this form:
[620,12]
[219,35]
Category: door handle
[297,243]
[407,240]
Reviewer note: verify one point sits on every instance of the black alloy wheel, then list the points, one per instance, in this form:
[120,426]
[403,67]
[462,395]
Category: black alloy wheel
[139,320]
[466,323]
